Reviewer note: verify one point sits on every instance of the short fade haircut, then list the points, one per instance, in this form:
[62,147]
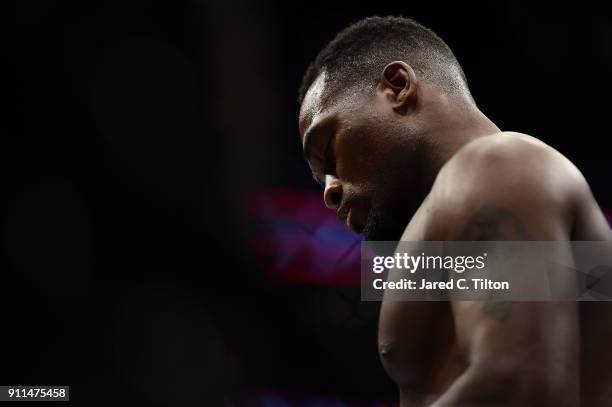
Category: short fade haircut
[358,54]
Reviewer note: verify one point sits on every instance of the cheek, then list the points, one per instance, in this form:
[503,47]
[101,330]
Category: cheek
[364,157]
[376,167]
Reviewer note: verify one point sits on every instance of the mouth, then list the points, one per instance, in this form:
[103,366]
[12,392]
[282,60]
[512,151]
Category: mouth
[342,213]
[348,217]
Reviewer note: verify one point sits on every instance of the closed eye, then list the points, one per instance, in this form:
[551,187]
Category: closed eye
[328,158]
[327,164]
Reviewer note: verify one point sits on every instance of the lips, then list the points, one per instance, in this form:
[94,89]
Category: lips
[348,216]
[342,213]
[352,224]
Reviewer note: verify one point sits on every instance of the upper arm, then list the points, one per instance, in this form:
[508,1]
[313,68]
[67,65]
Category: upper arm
[487,196]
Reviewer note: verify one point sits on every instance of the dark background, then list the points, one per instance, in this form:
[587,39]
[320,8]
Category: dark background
[135,137]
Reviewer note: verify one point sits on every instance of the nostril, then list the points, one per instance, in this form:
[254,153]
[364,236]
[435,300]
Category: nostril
[334,197]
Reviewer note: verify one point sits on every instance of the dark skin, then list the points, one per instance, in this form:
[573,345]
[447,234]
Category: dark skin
[409,160]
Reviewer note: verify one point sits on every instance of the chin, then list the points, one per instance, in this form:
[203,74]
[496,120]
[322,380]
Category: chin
[383,228]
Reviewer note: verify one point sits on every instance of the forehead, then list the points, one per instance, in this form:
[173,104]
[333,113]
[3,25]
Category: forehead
[312,105]
[324,103]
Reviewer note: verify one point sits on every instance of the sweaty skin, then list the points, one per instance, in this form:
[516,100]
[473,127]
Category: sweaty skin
[409,160]
[482,194]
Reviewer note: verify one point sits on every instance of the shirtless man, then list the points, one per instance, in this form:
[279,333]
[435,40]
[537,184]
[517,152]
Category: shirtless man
[391,132]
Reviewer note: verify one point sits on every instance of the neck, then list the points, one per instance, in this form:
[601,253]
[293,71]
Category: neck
[455,124]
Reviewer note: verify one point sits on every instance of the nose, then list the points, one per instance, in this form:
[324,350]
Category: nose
[332,195]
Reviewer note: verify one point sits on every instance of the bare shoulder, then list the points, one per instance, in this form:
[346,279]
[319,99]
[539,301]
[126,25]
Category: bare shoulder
[512,154]
[509,177]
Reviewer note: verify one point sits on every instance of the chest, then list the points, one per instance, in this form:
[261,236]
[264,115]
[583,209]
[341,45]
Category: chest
[417,344]
[416,339]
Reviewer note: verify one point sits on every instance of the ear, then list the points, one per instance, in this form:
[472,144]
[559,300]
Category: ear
[398,84]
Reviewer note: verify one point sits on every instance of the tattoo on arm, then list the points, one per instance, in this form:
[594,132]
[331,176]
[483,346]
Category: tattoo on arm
[496,309]
[492,222]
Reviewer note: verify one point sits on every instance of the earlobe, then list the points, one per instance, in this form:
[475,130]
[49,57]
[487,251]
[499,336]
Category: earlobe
[399,84]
